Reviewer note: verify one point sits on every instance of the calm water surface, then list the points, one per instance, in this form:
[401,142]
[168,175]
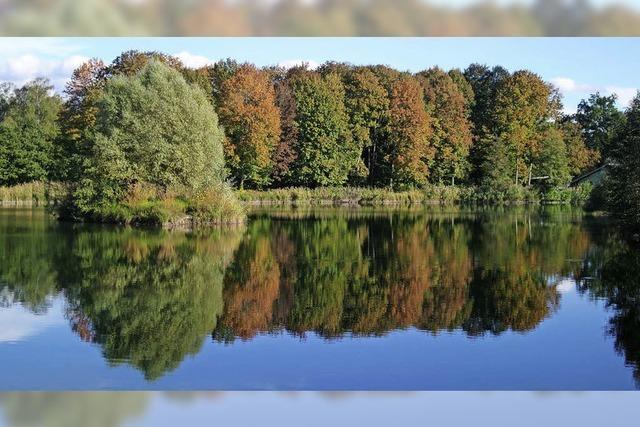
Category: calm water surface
[340,299]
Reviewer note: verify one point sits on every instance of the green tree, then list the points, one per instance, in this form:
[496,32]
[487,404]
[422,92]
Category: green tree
[28,131]
[219,73]
[464,86]
[153,131]
[580,157]
[7,91]
[325,150]
[551,160]
[524,105]
[497,167]
[600,119]
[377,159]
[624,175]
[367,103]
[485,83]
[200,77]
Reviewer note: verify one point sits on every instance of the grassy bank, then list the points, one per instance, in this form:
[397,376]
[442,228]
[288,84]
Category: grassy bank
[431,194]
[33,193]
[147,205]
[215,206]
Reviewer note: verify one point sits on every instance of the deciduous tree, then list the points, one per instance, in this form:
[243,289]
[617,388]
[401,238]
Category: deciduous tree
[579,156]
[409,152]
[600,119]
[624,175]
[325,151]
[251,120]
[524,105]
[154,130]
[78,118]
[28,130]
[367,103]
[451,136]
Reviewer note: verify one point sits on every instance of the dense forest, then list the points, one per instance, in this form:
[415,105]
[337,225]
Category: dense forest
[145,128]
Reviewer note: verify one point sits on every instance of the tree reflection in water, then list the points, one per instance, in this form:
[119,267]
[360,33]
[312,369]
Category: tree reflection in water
[369,274]
[147,298]
[611,271]
[150,298]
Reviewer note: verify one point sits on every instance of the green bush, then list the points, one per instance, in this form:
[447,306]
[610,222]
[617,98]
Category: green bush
[215,206]
[508,194]
[575,196]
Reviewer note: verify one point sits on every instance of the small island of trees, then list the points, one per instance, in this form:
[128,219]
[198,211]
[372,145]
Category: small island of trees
[146,139]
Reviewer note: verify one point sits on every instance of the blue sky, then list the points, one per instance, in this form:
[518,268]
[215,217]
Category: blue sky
[578,66]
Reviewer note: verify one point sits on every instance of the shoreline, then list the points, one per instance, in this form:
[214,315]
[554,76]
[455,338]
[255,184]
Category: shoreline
[364,196]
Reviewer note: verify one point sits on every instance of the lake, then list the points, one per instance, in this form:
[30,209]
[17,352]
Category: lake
[438,298]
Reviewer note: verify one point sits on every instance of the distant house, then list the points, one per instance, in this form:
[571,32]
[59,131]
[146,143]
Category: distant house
[594,176]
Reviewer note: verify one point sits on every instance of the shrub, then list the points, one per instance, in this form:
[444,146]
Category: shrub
[216,205]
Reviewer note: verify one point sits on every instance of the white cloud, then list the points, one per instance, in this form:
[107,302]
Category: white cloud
[193,61]
[72,62]
[567,86]
[565,286]
[20,69]
[290,63]
[18,324]
[625,94]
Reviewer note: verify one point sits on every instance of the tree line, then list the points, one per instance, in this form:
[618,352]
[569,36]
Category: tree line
[337,125]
